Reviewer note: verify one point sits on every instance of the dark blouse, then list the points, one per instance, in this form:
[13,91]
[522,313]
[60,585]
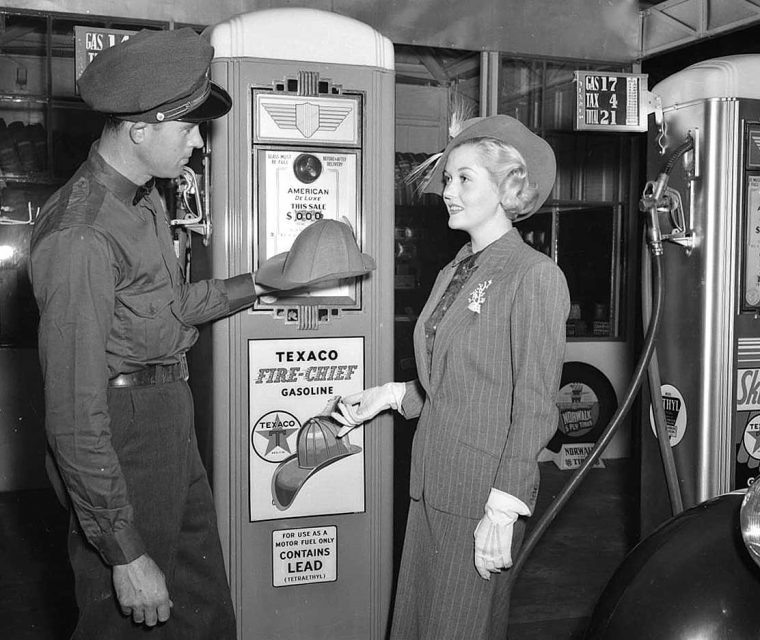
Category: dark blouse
[462,274]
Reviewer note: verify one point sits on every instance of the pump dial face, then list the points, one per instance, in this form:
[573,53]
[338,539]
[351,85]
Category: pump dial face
[307,168]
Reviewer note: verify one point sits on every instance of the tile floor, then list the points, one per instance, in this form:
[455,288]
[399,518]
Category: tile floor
[553,600]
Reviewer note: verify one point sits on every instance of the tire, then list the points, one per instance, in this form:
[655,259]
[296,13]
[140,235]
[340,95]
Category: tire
[586,403]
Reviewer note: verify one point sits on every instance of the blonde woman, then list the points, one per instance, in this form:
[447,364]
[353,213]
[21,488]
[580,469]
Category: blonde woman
[489,346]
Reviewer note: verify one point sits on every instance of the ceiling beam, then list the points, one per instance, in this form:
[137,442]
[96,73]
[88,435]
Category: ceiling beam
[434,67]
[676,23]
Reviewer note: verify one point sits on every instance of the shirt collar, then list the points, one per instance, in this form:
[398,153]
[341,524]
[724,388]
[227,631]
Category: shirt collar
[143,191]
[493,252]
[121,186]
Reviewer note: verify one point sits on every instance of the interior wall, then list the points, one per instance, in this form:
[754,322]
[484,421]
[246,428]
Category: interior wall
[585,29]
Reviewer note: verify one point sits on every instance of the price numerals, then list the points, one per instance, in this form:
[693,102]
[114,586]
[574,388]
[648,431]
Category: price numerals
[610,101]
[601,100]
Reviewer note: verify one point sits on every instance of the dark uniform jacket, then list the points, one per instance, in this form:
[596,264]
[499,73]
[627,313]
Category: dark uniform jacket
[112,300]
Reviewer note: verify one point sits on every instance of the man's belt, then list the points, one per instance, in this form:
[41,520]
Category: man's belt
[154,374]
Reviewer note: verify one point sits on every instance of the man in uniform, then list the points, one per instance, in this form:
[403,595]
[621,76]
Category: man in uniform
[116,320]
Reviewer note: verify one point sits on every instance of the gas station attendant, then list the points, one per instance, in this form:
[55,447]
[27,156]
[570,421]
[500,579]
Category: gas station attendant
[117,319]
[489,346]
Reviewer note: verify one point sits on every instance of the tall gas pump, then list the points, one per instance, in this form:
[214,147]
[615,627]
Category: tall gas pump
[305,520]
[708,346]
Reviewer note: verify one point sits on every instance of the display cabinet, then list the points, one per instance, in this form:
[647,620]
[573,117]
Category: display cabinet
[585,242]
[45,133]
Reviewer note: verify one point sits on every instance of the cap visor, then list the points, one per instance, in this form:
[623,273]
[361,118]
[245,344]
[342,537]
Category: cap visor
[217,104]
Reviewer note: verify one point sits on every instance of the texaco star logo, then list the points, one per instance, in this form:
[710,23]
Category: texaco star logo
[273,437]
[749,450]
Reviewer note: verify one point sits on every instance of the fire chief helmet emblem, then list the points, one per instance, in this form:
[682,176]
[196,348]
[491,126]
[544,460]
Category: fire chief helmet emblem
[307,117]
[317,446]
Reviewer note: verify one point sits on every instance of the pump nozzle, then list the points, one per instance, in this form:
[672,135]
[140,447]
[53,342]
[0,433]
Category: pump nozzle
[650,200]
[654,195]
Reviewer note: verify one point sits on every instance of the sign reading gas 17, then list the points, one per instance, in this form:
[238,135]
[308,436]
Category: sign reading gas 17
[610,101]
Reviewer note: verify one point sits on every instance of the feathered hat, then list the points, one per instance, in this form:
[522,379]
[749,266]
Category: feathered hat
[540,162]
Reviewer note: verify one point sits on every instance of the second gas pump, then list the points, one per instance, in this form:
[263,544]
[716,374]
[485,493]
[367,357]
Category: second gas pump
[708,353]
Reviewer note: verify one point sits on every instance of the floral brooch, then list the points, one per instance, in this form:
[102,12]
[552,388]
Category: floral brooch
[478,297]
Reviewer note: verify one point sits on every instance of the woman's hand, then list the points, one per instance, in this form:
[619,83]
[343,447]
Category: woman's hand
[359,407]
[493,535]
[493,546]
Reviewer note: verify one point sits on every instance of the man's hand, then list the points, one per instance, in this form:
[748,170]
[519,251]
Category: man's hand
[141,590]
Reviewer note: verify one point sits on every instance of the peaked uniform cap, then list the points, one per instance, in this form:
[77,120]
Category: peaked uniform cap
[539,157]
[325,250]
[155,76]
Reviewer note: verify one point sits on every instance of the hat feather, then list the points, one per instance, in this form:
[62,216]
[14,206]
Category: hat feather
[461,112]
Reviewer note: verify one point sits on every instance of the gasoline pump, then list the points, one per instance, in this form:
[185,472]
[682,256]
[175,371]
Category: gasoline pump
[707,354]
[698,574]
[188,214]
[305,519]
[665,223]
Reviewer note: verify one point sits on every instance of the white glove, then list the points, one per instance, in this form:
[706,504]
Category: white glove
[365,405]
[493,535]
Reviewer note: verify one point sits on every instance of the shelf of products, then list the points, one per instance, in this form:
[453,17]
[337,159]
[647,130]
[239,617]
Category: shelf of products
[46,132]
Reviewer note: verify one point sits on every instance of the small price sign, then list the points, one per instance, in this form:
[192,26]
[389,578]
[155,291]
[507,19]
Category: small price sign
[610,101]
[90,41]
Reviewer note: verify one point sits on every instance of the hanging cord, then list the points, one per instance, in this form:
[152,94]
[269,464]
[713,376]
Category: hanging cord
[685,146]
[655,394]
[604,439]
[655,385]
[655,244]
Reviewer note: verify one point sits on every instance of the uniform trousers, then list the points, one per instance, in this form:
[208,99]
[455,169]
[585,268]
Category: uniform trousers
[440,595]
[153,434]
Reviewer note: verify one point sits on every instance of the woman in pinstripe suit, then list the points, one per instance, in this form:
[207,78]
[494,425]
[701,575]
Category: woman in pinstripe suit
[489,346]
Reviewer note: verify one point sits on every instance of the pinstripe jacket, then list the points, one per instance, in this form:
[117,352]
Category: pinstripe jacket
[486,401]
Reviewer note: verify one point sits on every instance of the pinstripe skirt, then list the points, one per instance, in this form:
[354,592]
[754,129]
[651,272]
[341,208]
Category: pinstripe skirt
[440,595]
